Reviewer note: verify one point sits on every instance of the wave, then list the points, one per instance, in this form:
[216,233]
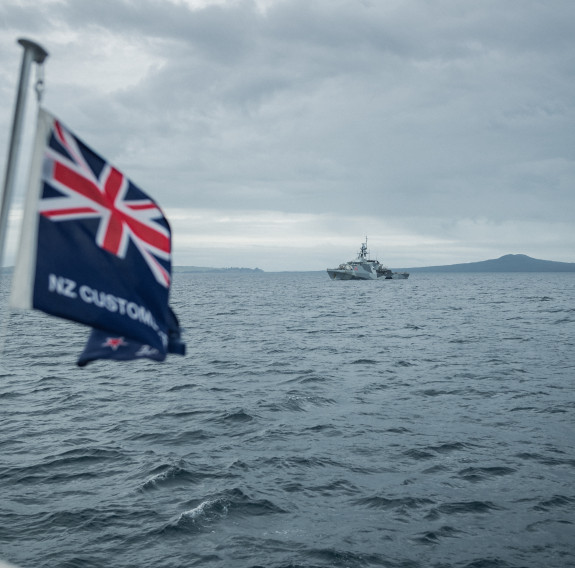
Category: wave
[212,509]
[476,474]
[401,503]
[463,508]
[436,536]
[168,475]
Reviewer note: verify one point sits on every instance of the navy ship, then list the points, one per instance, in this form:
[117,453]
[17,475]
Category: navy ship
[364,268]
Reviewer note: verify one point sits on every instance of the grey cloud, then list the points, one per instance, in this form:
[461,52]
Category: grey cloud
[443,109]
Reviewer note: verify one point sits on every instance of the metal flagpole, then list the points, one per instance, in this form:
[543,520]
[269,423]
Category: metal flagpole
[33,53]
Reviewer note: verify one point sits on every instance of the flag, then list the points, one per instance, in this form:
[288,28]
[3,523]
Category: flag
[95,248]
[102,345]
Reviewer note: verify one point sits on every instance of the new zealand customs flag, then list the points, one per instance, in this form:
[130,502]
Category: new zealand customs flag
[94,248]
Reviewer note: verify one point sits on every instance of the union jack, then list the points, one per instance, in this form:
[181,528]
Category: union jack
[88,193]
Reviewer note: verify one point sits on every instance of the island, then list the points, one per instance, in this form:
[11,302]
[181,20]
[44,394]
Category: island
[205,269]
[506,263]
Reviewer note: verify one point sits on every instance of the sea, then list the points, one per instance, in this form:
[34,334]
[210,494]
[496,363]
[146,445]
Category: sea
[420,423]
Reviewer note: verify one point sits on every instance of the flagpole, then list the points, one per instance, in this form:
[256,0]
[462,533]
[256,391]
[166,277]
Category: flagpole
[33,53]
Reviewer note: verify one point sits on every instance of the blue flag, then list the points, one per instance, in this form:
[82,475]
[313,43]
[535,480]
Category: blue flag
[102,345]
[95,248]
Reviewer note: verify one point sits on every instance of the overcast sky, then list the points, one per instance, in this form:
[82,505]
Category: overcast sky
[279,134]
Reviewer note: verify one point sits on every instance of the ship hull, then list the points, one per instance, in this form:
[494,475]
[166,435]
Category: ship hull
[335,274]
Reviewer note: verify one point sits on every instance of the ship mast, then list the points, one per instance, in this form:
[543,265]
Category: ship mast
[363,251]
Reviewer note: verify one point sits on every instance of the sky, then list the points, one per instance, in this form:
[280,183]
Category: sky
[279,134]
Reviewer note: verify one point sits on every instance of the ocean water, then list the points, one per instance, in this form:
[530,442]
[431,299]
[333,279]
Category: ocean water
[404,424]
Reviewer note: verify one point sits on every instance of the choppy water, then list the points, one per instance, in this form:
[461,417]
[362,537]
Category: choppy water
[413,424]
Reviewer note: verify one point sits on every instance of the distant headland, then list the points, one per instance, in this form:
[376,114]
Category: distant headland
[507,263]
[201,269]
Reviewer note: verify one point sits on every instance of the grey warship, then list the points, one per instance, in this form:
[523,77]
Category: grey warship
[364,268]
